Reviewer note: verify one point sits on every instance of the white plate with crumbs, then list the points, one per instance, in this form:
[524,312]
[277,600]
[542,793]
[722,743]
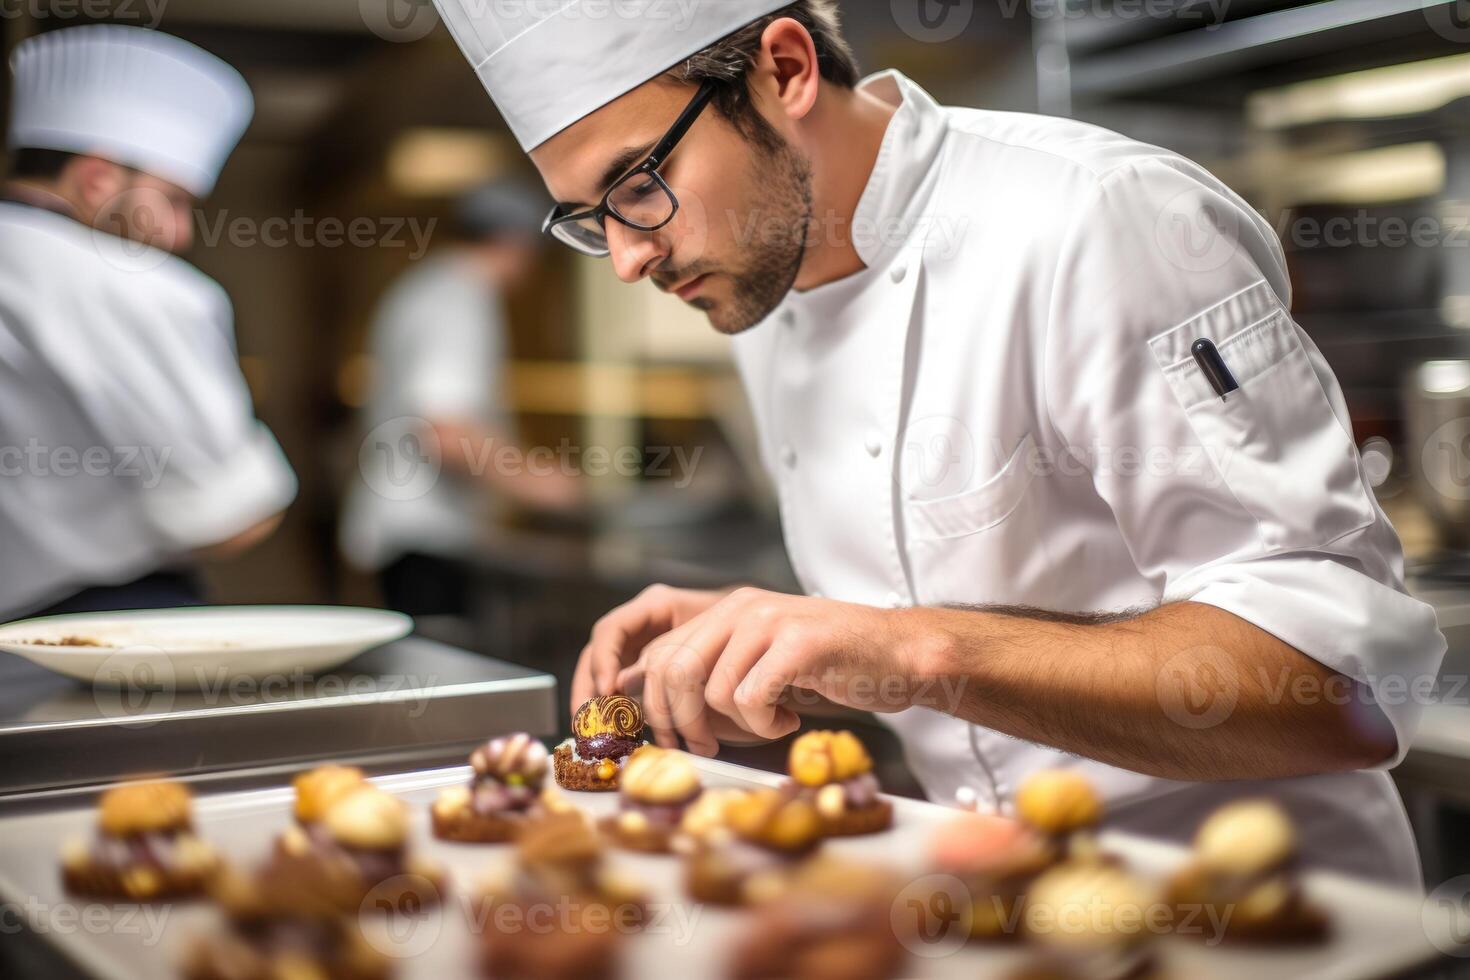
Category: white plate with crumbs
[188,649]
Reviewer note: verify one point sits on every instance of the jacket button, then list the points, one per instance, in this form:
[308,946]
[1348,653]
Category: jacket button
[898,272]
[788,319]
[788,457]
[874,446]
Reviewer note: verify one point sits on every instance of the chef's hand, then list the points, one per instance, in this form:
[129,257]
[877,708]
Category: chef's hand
[619,638]
[746,655]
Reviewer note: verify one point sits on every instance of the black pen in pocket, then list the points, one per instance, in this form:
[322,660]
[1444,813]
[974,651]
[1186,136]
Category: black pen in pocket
[1207,356]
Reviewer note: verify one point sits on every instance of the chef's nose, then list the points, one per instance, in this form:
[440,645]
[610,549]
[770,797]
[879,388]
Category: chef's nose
[634,253]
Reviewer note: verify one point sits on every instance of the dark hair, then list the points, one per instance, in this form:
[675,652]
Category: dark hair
[29,162]
[726,61]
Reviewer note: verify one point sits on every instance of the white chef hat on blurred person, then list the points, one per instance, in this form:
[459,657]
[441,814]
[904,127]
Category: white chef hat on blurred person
[134,96]
[549,63]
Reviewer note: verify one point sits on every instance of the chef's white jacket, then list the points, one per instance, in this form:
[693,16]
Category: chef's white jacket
[127,435]
[1003,409]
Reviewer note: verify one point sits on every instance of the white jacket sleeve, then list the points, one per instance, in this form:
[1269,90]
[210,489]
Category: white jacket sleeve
[1255,503]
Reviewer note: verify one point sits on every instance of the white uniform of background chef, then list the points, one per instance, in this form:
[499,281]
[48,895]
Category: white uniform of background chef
[128,434]
[1000,406]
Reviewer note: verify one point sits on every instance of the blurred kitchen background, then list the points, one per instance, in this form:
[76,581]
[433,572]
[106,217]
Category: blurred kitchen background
[1344,121]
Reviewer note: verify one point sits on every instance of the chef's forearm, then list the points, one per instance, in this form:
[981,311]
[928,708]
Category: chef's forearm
[1124,691]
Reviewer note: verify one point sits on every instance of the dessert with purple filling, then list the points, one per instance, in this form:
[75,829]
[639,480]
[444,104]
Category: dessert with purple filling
[605,732]
[658,787]
[506,791]
[145,848]
[359,853]
[281,923]
[559,913]
[836,772]
[769,832]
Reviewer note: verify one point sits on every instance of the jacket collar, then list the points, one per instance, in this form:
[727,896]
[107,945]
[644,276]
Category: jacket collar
[889,214]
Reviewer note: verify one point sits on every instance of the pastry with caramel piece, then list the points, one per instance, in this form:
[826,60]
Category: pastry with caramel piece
[319,788]
[657,787]
[605,732]
[145,848]
[359,853]
[996,859]
[1062,806]
[833,919]
[769,832]
[282,923]
[560,913]
[506,792]
[834,770]
[1243,880]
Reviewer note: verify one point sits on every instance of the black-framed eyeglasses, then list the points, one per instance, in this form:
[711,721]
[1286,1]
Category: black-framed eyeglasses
[640,199]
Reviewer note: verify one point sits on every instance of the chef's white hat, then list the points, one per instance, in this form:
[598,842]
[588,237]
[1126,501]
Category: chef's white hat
[134,96]
[549,63]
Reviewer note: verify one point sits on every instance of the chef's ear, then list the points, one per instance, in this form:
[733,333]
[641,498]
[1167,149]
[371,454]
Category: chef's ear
[787,65]
[92,182]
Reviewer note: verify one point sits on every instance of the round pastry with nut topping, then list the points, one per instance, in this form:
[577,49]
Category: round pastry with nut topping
[658,786]
[319,788]
[359,853]
[834,770]
[506,790]
[605,732]
[1063,807]
[145,849]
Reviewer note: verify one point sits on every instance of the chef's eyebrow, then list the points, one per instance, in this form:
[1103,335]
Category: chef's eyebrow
[618,166]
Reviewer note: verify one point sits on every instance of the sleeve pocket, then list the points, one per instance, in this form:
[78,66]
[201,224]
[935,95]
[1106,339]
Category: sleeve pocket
[981,508]
[1276,442]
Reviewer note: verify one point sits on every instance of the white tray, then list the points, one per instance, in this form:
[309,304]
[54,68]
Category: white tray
[1377,931]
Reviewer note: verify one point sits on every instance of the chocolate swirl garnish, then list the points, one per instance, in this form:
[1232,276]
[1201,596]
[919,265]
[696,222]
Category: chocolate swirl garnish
[615,714]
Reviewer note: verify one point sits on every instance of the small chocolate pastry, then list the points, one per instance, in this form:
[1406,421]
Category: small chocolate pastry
[769,833]
[836,772]
[605,731]
[658,786]
[1243,883]
[996,859]
[559,914]
[1062,806]
[833,921]
[281,923]
[359,854]
[319,788]
[145,848]
[1091,919]
[506,791]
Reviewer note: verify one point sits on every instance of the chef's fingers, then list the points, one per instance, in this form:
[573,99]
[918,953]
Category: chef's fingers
[758,696]
[583,687]
[746,646]
[619,637]
[655,711]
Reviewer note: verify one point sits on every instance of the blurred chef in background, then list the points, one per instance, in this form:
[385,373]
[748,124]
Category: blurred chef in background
[438,348]
[129,448]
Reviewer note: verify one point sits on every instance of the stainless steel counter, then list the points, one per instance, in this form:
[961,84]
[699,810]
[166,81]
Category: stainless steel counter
[413,699]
